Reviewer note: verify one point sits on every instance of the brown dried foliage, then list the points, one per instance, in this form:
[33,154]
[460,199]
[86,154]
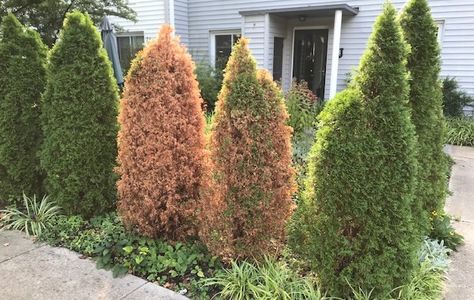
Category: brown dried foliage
[161,142]
[248,202]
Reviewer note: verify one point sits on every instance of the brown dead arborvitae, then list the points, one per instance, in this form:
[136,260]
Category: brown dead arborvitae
[246,207]
[161,142]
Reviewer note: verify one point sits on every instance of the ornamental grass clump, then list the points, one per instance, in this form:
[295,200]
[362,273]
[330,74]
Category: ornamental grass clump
[79,121]
[355,221]
[161,142]
[22,80]
[426,104]
[245,209]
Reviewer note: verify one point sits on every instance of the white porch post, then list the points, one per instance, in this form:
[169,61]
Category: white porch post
[266,41]
[335,53]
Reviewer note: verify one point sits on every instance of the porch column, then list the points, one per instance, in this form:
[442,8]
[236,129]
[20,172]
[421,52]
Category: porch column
[336,42]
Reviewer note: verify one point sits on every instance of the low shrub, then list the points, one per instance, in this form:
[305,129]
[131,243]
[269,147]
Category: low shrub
[268,280]
[32,217]
[443,231]
[454,99]
[210,82]
[460,131]
[176,266]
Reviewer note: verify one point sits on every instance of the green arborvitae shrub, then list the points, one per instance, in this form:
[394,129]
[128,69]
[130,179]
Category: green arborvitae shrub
[22,80]
[355,223]
[420,32]
[79,120]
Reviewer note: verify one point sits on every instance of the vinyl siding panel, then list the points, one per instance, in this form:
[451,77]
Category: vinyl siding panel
[181,20]
[151,14]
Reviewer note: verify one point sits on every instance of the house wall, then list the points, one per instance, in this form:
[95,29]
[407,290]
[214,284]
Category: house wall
[151,14]
[457,39]
[181,19]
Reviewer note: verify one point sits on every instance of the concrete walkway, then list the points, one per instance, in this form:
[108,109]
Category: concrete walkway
[34,271]
[460,285]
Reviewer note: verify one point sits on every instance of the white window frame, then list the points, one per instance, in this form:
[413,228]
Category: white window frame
[212,42]
[441,25]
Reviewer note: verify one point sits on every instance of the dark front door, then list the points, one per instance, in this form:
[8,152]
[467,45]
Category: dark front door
[309,60]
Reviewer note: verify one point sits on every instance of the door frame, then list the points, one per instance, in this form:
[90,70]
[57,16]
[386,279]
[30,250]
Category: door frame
[293,47]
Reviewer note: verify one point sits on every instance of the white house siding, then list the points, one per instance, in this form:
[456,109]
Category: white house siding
[151,14]
[457,44]
[181,19]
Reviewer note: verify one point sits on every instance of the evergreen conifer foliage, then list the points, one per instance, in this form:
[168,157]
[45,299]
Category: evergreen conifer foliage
[162,155]
[246,207]
[357,227]
[22,80]
[79,121]
[426,102]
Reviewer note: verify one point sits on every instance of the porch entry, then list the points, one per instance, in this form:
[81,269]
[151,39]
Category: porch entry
[309,58]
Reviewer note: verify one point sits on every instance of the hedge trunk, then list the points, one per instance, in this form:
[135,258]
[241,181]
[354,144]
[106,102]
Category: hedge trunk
[426,102]
[249,200]
[80,121]
[22,80]
[356,227]
[161,142]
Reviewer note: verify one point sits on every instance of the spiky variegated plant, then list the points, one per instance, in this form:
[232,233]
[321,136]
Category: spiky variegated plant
[33,218]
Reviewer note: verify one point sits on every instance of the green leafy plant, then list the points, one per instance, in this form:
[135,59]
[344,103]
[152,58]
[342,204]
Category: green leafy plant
[443,230]
[454,99]
[176,266]
[460,131]
[268,280]
[33,218]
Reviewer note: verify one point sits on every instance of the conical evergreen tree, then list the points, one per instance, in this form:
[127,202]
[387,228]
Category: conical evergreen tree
[357,228]
[426,108]
[22,80]
[161,142]
[249,201]
[79,120]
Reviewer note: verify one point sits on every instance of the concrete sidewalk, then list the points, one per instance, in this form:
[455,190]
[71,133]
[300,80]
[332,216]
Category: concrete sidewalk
[35,271]
[460,285]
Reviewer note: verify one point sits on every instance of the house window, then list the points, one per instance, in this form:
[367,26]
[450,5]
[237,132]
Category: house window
[128,46]
[277,58]
[222,47]
[440,24]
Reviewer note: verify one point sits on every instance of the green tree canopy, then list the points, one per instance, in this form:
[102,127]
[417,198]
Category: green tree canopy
[79,120]
[47,16]
[22,80]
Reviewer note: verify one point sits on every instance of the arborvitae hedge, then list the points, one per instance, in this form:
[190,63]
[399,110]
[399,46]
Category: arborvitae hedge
[245,210]
[22,80]
[79,120]
[357,227]
[426,108]
[161,142]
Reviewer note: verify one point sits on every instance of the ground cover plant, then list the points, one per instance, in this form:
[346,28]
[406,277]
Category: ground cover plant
[79,121]
[425,100]
[178,266]
[347,213]
[248,201]
[22,80]
[460,131]
[162,156]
